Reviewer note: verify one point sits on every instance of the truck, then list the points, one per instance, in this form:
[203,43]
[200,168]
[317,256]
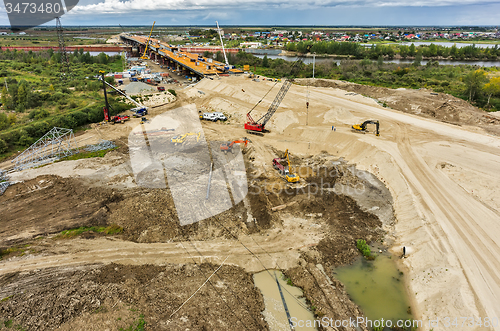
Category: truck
[214,117]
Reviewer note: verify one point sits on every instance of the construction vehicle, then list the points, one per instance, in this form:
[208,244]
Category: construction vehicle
[144,57]
[138,111]
[179,140]
[362,127]
[107,117]
[258,127]
[285,169]
[228,147]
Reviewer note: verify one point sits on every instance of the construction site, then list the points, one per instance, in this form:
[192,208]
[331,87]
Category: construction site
[203,194]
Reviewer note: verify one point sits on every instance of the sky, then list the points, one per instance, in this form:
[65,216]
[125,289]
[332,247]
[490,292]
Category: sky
[278,12]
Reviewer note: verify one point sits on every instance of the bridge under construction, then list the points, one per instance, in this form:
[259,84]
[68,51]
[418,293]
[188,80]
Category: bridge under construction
[189,64]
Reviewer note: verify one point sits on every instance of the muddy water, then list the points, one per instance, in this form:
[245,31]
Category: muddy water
[275,313]
[376,287]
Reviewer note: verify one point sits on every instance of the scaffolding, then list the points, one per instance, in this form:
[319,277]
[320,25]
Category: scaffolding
[4,182]
[100,146]
[55,144]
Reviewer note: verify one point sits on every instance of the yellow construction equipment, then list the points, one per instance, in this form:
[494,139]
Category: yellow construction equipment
[178,140]
[362,127]
[285,171]
[144,57]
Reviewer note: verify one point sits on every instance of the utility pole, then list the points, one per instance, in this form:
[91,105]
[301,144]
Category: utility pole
[314,62]
[62,49]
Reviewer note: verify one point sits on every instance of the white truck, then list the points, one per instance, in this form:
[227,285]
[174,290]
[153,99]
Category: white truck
[214,117]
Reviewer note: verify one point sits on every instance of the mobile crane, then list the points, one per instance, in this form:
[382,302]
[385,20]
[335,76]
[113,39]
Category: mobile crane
[107,117]
[228,147]
[259,126]
[285,170]
[144,57]
[362,127]
[178,140]
[138,111]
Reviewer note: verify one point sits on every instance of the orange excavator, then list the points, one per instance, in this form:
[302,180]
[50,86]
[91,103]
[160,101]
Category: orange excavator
[228,147]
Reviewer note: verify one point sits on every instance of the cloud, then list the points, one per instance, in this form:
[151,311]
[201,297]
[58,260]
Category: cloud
[218,8]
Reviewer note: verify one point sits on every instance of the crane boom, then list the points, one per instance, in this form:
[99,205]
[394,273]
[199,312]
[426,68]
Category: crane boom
[257,127]
[125,95]
[144,57]
[223,50]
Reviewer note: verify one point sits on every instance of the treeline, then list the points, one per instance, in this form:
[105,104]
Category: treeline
[43,122]
[36,97]
[358,51]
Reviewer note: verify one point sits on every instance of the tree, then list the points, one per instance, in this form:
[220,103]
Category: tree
[4,95]
[3,146]
[492,88]
[265,62]
[21,94]
[418,59]
[474,81]
[380,60]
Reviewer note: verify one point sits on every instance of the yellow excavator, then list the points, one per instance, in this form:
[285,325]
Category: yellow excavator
[178,140]
[362,127]
[285,171]
[144,57]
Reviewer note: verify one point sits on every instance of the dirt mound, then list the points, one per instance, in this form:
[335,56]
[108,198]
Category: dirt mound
[49,298]
[49,204]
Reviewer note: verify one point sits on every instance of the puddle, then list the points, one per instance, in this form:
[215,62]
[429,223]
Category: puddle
[274,313]
[377,287]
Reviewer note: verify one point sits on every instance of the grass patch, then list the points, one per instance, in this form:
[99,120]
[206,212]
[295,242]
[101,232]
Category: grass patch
[13,250]
[172,92]
[7,298]
[109,230]
[365,249]
[87,155]
[138,325]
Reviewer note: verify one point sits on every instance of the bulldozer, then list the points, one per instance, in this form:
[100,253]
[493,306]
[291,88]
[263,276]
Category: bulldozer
[290,177]
[179,140]
[362,127]
[228,147]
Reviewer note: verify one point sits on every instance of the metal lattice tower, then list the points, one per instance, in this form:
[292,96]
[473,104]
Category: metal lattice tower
[55,144]
[62,48]
[4,183]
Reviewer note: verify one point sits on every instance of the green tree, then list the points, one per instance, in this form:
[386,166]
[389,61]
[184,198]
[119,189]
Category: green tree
[4,95]
[265,62]
[474,82]
[492,88]
[418,59]
[3,146]
[412,50]
[21,94]
[380,60]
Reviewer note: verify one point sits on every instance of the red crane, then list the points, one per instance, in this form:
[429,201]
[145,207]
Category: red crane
[259,126]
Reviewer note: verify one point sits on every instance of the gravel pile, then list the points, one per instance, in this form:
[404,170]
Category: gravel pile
[137,87]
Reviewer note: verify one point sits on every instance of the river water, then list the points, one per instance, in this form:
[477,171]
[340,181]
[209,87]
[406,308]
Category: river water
[309,60]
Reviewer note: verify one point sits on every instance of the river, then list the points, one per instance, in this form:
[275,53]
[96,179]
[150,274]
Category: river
[309,60]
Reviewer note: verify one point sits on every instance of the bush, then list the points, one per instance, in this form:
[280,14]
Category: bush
[172,92]
[3,146]
[364,248]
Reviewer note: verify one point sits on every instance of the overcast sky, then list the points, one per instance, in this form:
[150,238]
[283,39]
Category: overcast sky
[277,12]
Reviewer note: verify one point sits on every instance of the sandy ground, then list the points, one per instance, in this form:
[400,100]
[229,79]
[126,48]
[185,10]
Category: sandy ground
[450,218]
[443,179]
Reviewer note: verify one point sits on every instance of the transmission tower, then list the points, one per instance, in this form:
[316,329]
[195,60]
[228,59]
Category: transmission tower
[62,49]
